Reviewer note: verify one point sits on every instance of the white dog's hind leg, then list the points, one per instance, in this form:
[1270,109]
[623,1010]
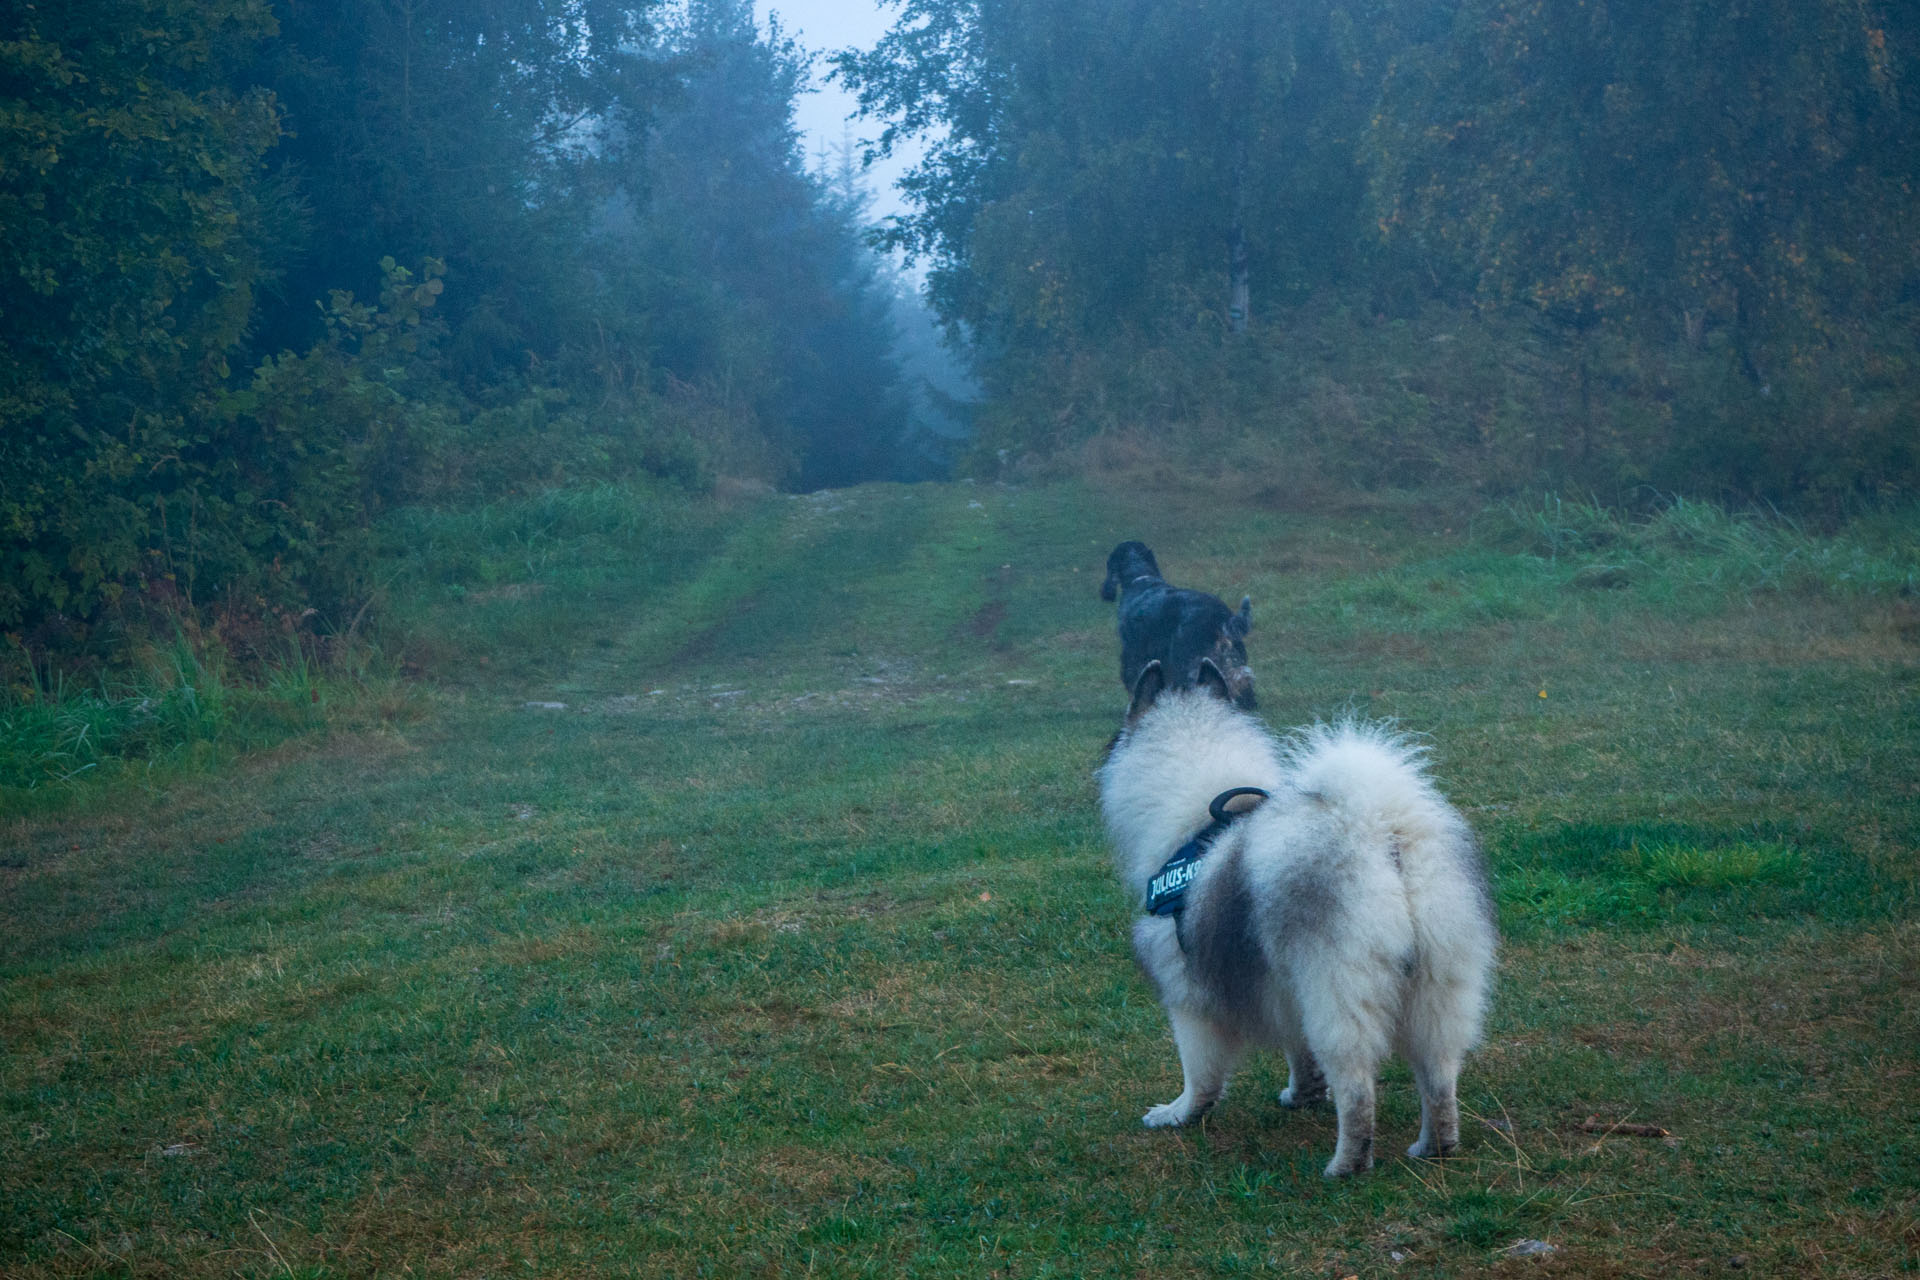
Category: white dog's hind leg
[1208,1056]
[1439,1109]
[1353,1100]
[1442,1022]
[1346,1014]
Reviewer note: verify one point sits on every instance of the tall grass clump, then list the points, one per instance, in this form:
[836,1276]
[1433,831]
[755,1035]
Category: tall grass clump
[1558,527]
[182,705]
[55,731]
[1710,546]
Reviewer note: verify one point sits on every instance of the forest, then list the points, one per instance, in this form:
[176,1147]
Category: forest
[1603,245]
[274,269]
[271,270]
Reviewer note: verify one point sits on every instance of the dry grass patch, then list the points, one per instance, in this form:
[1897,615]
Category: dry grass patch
[819,1175]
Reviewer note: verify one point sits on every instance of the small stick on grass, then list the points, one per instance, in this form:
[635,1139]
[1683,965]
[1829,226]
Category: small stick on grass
[1594,1124]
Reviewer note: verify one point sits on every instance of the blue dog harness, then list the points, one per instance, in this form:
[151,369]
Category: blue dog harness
[1167,891]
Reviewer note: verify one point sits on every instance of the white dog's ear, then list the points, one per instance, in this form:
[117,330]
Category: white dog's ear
[1213,682]
[1146,688]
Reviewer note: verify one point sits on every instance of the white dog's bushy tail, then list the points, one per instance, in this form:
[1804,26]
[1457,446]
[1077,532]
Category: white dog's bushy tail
[1374,783]
[1368,775]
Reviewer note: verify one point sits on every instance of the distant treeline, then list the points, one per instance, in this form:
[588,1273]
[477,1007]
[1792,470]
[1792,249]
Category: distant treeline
[268,268]
[1607,244]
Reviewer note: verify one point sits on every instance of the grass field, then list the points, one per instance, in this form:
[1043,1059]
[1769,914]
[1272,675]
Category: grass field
[721,893]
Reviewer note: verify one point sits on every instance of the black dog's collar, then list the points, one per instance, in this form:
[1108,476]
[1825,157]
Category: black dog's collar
[1167,891]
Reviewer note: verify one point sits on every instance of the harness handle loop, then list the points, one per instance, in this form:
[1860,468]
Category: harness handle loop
[1218,806]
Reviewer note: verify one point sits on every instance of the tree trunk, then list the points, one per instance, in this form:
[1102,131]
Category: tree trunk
[1239,291]
[1239,288]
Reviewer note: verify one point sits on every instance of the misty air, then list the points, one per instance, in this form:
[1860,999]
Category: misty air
[959,637]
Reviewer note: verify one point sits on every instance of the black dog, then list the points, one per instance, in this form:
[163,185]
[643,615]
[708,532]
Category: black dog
[1174,626]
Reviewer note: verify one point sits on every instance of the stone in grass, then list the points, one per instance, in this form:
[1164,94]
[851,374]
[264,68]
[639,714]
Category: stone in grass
[1531,1249]
[1601,577]
[544,706]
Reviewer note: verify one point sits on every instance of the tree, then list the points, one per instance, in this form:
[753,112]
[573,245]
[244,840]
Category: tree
[137,236]
[1094,165]
[1685,166]
[778,310]
[478,132]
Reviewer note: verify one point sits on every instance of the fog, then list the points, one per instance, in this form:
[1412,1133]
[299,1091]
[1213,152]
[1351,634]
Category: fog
[276,269]
[575,657]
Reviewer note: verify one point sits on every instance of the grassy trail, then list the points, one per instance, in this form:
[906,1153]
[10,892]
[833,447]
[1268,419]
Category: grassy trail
[787,941]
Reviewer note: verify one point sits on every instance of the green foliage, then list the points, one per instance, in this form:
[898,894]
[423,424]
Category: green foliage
[183,432]
[265,511]
[131,189]
[321,445]
[1745,552]
[1091,164]
[481,133]
[1499,247]
[1728,185]
[759,297]
[1689,167]
[309,453]
[178,707]
[1679,238]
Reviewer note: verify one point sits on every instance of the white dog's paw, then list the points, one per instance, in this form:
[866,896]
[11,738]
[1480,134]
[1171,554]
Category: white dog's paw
[1170,1115]
[1297,1098]
[1428,1150]
[1346,1168]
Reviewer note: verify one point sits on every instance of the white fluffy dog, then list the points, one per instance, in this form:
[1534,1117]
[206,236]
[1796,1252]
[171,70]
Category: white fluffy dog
[1345,917]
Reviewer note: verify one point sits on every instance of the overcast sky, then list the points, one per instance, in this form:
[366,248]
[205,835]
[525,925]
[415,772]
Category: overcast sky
[825,26]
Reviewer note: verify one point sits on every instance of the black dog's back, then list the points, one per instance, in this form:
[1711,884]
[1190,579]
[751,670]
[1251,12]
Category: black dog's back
[1175,626]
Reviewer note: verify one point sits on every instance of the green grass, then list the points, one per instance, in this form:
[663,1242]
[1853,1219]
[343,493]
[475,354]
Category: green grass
[176,713]
[789,942]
